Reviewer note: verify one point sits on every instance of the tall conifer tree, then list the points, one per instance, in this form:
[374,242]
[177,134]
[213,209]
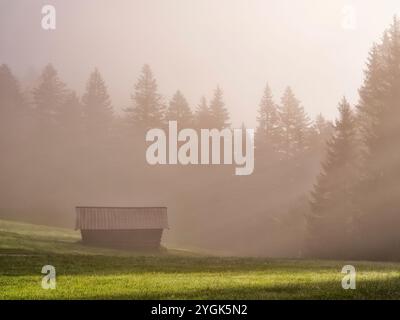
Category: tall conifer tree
[379,111]
[49,94]
[202,115]
[332,205]
[179,111]
[268,133]
[219,114]
[147,110]
[294,123]
[97,109]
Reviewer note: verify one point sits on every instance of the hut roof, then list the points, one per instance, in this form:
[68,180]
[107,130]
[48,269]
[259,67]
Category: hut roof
[121,218]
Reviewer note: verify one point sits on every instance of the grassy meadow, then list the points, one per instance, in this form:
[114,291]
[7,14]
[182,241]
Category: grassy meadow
[95,273]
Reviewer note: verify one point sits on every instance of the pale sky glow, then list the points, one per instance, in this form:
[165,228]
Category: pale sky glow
[195,45]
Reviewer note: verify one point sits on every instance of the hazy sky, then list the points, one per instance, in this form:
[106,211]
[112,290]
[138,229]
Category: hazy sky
[194,45]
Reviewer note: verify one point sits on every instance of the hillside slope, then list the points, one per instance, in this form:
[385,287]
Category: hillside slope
[94,273]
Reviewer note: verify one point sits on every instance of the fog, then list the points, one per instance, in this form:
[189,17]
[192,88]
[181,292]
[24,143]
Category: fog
[125,61]
[195,45]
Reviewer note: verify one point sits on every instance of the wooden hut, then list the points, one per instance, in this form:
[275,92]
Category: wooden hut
[122,227]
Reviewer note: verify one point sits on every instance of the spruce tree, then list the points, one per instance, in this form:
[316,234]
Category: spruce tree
[202,117]
[147,110]
[321,125]
[321,132]
[332,205]
[268,132]
[179,111]
[49,95]
[379,111]
[10,93]
[294,124]
[219,114]
[12,106]
[96,106]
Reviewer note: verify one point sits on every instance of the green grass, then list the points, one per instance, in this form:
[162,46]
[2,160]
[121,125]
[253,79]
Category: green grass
[95,273]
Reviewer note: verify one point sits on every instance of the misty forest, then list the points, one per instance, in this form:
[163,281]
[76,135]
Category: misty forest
[320,189]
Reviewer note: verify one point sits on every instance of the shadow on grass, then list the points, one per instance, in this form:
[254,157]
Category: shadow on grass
[332,290]
[15,264]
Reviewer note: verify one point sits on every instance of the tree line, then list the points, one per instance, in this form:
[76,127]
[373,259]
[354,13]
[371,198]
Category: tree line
[66,149]
[52,110]
[356,201]
[69,147]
